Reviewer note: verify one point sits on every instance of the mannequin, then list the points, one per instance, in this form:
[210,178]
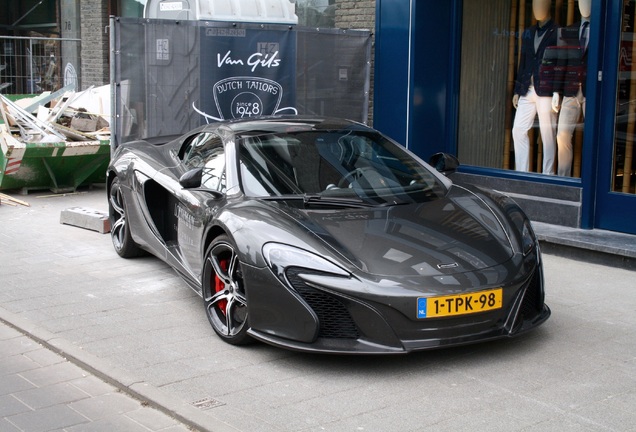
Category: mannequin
[529,99]
[573,96]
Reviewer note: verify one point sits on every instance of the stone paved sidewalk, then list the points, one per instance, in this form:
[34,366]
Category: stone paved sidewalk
[137,325]
[42,391]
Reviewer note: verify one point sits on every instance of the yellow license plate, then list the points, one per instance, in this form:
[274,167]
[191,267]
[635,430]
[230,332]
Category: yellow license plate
[461,304]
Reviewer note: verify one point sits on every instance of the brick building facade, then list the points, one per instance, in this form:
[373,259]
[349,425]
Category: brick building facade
[95,42]
[358,14]
[355,14]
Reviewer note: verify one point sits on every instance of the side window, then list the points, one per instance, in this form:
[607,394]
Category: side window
[188,145]
[206,151]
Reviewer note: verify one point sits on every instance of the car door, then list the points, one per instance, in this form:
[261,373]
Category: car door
[193,209]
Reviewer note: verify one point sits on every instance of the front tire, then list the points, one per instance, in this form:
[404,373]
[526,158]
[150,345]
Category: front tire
[224,292]
[124,245]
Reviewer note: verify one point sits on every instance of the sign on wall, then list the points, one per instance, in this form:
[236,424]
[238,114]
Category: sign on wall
[247,73]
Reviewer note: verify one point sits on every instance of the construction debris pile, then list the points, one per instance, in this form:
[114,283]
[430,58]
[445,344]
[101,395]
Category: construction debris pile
[57,141]
[64,115]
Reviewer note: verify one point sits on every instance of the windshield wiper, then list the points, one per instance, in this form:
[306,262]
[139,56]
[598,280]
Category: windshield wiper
[319,200]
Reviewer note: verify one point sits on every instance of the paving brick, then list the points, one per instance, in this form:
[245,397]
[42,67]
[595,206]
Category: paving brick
[53,394]
[152,419]
[57,373]
[110,425]
[47,419]
[5,426]
[16,363]
[8,333]
[14,383]
[177,428]
[106,405]
[93,386]
[10,406]
[17,345]
[44,357]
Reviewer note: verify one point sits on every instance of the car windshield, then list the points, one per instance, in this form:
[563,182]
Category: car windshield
[344,164]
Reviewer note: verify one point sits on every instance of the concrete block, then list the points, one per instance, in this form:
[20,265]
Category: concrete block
[82,217]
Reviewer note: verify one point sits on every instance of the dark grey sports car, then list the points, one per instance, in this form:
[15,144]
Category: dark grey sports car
[324,235]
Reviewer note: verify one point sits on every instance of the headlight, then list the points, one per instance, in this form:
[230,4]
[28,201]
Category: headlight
[280,257]
[528,239]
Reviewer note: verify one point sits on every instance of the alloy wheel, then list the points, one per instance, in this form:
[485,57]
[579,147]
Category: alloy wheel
[224,293]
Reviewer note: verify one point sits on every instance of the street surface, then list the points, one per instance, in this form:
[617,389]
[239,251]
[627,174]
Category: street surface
[138,326]
[41,390]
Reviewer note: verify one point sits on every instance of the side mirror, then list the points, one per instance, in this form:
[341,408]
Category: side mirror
[444,162]
[191,179]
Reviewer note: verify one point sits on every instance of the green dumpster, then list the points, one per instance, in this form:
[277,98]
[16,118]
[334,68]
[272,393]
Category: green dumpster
[61,167]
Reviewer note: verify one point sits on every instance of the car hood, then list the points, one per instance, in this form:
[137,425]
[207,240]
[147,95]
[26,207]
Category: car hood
[454,234]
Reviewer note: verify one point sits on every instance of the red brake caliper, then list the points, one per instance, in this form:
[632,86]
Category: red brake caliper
[219,285]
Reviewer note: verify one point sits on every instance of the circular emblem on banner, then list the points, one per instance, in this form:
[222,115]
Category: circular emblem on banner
[70,75]
[242,97]
[246,104]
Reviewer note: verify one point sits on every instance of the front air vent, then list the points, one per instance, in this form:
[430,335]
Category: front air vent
[532,300]
[333,316]
[532,303]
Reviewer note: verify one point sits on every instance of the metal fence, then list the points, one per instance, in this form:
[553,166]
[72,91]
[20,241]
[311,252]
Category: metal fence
[171,76]
[32,65]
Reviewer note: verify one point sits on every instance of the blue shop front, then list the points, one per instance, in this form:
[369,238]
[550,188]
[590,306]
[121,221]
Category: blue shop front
[537,98]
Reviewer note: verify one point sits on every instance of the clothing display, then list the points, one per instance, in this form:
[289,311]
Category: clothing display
[534,99]
[568,119]
[529,107]
[532,56]
[575,36]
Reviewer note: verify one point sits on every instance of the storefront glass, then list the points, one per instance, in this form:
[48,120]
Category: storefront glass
[623,178]
[522,84]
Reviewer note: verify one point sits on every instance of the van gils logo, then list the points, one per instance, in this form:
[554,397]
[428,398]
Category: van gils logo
[261,59]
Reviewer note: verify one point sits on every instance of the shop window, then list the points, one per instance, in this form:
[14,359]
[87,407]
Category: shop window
[522,94]
[624,175]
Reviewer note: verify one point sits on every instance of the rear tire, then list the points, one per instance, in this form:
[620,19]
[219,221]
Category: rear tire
[224,292]
[124,245]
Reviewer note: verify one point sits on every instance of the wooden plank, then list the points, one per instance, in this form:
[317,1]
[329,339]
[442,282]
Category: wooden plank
[10,199]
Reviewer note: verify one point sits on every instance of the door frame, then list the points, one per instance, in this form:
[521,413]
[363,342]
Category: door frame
[603,208]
